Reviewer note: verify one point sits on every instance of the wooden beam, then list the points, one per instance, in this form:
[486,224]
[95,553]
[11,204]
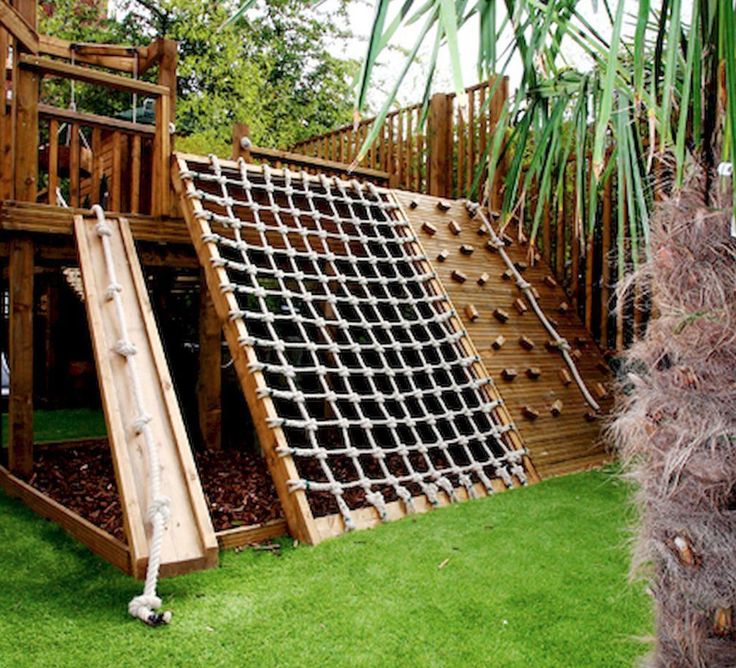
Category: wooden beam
[98,541]
[18,27]
[209,381]
[48,67]
[286,157]
[20,405]
[94,120]
[256,533]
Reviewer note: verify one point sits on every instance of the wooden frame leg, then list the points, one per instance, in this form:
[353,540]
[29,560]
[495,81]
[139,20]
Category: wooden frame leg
[20,405]
[209,383]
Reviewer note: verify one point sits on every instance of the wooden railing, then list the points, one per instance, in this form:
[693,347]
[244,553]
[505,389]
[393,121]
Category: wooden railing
[243,147]
[91,159]
[439,158]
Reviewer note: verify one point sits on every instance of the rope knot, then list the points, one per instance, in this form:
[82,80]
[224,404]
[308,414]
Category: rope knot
[146,608]
[103,229]
[161,506]
[125,348]
[111,290]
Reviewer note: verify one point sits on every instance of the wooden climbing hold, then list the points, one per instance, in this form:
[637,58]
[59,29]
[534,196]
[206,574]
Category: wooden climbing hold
[530,413]
[600,390]
[556,408]
[498,342]
[454,227]
[551,345]
[492,246]
[526,343]
[565,376]
[430,229]
[521,266]
[550,281]
[507,275]
[414,203]
[576,354]
[581,341]
[500,315]
[471,312]
[443,205]
[482,231]
[443,255]
[483,278]
[535,292]
[458,276]
[507,240]
[466,249]
[520,306]
[509,374]
[564,307]
[533,372]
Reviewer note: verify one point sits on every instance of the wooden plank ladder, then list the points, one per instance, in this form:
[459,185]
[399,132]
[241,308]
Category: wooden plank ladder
[189,541]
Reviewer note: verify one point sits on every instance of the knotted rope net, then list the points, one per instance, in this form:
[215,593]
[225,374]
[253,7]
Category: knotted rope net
[377,395]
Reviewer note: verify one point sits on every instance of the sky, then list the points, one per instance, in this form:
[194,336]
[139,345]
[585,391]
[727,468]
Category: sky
[361,17]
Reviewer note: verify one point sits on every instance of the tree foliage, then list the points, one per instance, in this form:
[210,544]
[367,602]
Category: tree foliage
[272,69]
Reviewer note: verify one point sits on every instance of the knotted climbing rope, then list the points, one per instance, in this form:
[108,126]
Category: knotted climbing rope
[526,288]
[145,607]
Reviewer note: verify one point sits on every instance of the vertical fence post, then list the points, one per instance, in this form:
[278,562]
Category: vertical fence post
[240,149]
[496,109]
[209,382]
[25,117]
[20,403]
[163,202]
[439,145]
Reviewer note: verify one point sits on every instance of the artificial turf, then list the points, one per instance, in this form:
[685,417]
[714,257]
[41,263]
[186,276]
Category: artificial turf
[60,425]
[535,577]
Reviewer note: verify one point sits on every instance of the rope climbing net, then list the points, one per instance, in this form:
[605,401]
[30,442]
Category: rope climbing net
[373,383]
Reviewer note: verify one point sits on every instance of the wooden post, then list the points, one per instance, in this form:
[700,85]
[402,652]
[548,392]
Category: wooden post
[20,404]
[439,145]
[6,128]
[25,117]
[240,131]
[163,201]
[495,111]
[209,383]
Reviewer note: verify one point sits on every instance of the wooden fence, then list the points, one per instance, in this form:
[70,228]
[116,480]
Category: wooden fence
[439,158]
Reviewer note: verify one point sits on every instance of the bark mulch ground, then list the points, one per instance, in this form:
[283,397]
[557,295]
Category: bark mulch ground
[237,484]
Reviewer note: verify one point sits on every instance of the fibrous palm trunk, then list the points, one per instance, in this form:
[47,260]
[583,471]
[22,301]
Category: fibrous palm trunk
[676,429]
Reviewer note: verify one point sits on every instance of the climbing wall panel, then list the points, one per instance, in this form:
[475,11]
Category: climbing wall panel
[556,423]
[363,386]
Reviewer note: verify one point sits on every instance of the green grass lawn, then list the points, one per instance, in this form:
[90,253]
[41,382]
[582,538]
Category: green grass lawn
[63,424]
[536,577]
